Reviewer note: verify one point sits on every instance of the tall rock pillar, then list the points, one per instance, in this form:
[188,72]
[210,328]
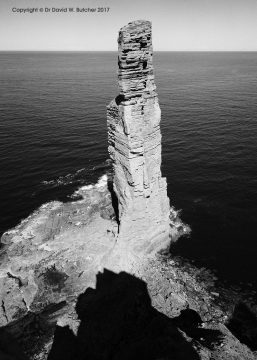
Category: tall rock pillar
[134,136]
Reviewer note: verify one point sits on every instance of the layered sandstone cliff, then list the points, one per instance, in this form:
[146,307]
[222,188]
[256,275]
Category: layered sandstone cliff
[135,144]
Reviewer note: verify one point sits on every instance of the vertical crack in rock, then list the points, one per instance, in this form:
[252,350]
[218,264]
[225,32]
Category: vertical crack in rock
[4,311]
[134,136]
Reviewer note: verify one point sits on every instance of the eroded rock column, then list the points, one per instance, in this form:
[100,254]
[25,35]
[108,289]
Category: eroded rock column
[135,144]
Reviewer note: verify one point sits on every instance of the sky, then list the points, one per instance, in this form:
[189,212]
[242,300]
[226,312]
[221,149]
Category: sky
[178,25]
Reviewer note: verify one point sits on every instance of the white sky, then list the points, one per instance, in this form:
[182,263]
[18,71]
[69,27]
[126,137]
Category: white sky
[195,25]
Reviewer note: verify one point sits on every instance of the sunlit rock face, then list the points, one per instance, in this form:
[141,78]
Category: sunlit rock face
[135,144]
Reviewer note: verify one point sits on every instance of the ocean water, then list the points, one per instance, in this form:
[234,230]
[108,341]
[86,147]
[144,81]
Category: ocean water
[53,139]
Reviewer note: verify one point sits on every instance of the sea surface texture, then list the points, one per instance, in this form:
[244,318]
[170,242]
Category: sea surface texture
[53,139]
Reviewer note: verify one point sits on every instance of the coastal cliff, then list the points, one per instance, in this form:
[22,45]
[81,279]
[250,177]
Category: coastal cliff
[84,279]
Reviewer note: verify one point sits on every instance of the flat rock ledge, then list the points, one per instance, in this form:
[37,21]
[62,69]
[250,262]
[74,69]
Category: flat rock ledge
[63,275]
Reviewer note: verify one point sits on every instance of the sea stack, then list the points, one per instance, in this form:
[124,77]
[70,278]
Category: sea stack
[134,136]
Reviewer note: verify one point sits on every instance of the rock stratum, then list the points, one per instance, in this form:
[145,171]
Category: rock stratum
[82,280]
[134,135]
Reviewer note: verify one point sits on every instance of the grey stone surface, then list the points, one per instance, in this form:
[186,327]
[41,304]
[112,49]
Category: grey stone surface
[135,144]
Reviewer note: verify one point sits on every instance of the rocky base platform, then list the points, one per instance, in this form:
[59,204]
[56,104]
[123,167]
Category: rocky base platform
[69,291]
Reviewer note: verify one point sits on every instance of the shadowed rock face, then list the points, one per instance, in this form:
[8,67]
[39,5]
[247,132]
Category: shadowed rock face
[135,144]
[117,322]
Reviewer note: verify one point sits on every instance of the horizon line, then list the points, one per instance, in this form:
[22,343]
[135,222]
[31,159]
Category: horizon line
[207,51]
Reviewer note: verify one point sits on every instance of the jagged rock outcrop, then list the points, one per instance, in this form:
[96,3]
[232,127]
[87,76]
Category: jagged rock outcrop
[135,144]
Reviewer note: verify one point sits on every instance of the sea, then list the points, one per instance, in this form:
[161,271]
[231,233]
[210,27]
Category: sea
[53,139]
